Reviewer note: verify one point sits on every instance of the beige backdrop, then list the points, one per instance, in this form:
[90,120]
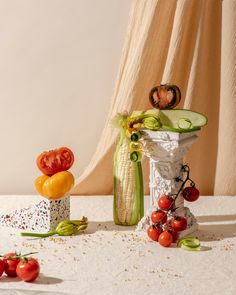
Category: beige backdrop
[58,65]
[190,43]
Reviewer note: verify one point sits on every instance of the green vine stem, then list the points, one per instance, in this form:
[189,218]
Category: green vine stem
[39,235]
[18,255]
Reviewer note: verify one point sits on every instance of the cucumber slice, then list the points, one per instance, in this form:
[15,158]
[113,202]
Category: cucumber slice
[154,112]
[187,248]
[181,120]
[189,244]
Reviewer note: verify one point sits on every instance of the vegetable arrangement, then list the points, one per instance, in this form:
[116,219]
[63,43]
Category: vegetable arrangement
[166,224]
[22,266]
[56,181]
[127,168]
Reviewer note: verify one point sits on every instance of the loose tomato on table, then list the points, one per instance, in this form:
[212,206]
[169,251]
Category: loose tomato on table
[10,263]
[2,266]
[179,223]
[28,269]
[54,161]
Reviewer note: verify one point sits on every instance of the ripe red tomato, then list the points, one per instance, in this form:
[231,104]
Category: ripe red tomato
[190,194]
[1,267]
[10,264]
[153,232]
[174,233]
[158,216]
[28,269]
[165,239]
[179,223]
[165,202]
[55,161]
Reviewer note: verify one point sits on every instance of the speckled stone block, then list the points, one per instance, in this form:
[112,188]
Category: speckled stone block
[41,217]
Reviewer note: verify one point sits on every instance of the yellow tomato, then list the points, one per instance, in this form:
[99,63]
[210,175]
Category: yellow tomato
[39,182]
[56,186]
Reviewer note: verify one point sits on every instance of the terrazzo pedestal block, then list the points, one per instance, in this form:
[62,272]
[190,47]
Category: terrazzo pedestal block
[166,151]
[41,217]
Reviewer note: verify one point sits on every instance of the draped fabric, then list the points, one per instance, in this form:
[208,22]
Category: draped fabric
[190,43]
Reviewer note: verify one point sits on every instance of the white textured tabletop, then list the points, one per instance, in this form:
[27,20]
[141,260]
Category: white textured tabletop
[109,259]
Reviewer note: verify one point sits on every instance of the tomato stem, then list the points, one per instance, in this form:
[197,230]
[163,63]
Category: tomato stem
[31,253]
[185,168]
[18,255]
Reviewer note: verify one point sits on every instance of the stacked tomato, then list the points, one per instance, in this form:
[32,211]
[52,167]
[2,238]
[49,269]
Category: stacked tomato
[166,225]
[56,181]
[17,265]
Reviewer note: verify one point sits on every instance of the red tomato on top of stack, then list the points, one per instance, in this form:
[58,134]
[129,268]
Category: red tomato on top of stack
[55,161]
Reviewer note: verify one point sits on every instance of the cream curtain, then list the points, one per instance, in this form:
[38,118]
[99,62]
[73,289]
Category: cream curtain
[190,43]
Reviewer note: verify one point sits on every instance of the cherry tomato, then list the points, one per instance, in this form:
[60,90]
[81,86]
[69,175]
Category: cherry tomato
[10,264]
[28,269]
[165,239]
[1,267]
[174,233]
[179,223]
[55,161]
[153,232]
[165,202]
[190,194]
[158,216]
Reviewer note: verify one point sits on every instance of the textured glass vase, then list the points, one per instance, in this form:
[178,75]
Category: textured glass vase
[128,206]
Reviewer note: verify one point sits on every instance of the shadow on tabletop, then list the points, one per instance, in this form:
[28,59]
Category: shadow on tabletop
[45,280]
[216,232]
[41,280]
[6,279]
[29,292]
[107,226]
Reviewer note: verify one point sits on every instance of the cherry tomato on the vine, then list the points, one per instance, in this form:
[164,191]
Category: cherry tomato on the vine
[190,194]
[165,239]
[158,216]
[28,269]
[165,202]
[153,232]
[1,267]
[174,233]
[179,223]
[10,264]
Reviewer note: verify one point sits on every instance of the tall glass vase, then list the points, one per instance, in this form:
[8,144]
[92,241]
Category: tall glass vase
[128,206]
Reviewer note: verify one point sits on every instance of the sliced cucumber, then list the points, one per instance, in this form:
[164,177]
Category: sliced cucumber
[189,244]
[181,120]
[154,112]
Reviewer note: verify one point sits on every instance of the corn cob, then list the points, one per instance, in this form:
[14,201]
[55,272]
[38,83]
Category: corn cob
[128,178]
[128,184]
